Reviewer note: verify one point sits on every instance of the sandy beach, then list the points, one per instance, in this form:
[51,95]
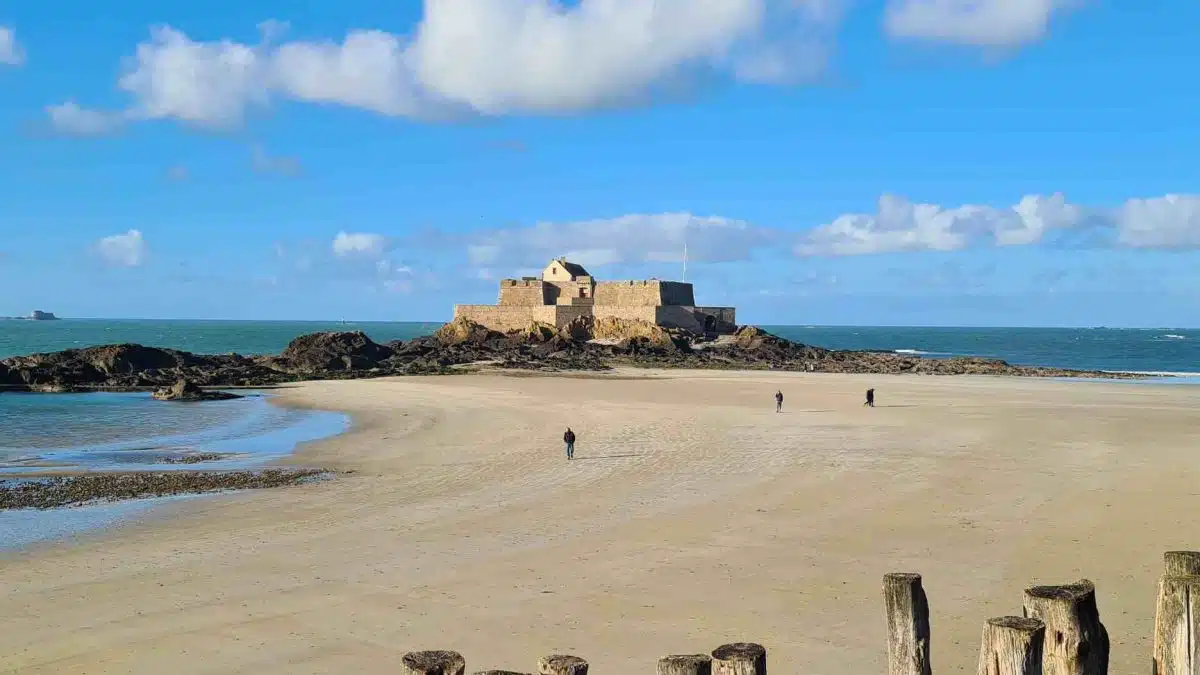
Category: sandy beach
[693,515]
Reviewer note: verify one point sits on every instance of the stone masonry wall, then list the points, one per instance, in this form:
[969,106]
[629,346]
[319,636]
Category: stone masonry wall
[506,319]
[510,318]
[726,315]
[522,293]
[628,293]
[677,293]
[674,316]
[644,313]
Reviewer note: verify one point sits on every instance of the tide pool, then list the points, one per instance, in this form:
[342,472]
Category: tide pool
[133,432]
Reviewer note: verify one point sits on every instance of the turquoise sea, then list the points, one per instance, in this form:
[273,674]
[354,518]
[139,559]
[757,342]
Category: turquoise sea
[1143,350]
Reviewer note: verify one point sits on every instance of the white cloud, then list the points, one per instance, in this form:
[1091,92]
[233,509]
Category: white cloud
[11,52]
[625,239]
[1172,221]
[69,118]
[364,244]
[1169,222]
[984,23]
[209,84]
[123,250]
[489,57]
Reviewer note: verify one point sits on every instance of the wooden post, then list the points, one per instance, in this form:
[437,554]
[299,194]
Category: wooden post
[433,663]
[1181,563]
[1012,645]
[685,664]
[499,672]
[562,664]
[1076,642]
[739,658]
[1177,626]
[907,624]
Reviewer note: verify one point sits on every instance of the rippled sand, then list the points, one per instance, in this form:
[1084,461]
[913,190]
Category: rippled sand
[694,515]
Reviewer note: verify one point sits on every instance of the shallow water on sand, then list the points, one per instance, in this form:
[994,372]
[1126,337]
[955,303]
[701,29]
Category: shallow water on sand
[133,432]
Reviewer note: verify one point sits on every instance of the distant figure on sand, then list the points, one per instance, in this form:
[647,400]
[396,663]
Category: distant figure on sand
[778,401]
[870,402]
[569,439]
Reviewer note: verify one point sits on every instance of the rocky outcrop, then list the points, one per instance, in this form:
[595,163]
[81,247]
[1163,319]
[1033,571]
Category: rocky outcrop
[582,345]
[464,331]
[325,352]
[188,391]
[619,330]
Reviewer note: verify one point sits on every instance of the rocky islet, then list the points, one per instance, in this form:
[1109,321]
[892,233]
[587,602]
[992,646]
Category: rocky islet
[461,345]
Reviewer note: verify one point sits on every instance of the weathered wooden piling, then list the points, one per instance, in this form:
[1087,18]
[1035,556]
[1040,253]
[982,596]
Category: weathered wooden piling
[907,624]
[685,664]
[1181,563]
[1012,645]
[499,672]
[739,658]
[1076,642]
[439,662]
[562,664]
[1177,616]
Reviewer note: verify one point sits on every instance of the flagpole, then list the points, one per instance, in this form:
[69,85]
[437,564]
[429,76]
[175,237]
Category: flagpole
[685,260]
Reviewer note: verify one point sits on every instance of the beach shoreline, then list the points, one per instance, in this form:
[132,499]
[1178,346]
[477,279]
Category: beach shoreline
[694,516]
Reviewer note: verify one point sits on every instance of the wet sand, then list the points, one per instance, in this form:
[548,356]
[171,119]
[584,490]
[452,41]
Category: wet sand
[693,515]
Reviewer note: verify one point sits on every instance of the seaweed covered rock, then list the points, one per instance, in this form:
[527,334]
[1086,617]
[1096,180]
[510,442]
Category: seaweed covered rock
[188,391]
[332,352]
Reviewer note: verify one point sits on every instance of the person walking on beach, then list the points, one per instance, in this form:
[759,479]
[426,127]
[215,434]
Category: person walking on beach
[778,401]
[870,402]
[569,440]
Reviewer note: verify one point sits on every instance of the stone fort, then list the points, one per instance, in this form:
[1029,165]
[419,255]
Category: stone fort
[566,291]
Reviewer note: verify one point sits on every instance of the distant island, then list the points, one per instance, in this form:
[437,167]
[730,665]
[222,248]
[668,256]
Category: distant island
[35,315]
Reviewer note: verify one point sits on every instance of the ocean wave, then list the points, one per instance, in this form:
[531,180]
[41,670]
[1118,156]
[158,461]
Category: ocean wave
[1154,373]
[1173,336]
[918,352]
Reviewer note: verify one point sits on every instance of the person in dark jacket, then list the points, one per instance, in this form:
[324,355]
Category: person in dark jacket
[870,402]
[778,401]
[569,440]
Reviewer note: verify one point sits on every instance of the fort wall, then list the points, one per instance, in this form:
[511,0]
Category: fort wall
[675,316]
[676,293]
[566,292]
[508,318]
[644,293]
[523,293]
[724,318]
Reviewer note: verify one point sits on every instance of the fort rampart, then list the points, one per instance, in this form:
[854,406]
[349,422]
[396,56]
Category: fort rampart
[566,292]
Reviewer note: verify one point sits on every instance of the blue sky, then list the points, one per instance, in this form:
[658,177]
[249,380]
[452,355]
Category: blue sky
[828,161]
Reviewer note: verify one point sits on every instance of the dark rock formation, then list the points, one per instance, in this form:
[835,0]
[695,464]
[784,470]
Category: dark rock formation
[46,493]
[322,352]
[583,345]
[188,391]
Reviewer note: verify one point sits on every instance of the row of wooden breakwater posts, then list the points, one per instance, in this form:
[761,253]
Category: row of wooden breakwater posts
[1059,633]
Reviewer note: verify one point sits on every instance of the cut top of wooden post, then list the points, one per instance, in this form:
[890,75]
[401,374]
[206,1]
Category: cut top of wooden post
[500,672]
[1012,645]
[1076,641]
[685,664]
[562,664]
[1181,563]
[739,658]
[907,624]
[438,662]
